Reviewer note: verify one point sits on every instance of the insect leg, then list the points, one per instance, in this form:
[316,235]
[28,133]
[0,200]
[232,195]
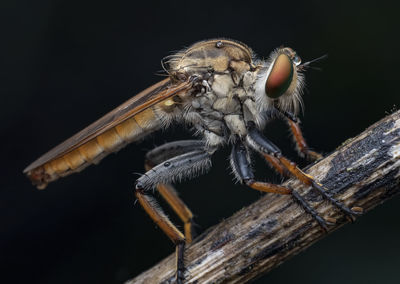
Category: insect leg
[159,155]
[151,207]
[240,164]
[262,145]
[301,144]
[276,165]
[174,169]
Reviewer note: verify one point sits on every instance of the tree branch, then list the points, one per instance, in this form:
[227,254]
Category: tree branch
[364,171]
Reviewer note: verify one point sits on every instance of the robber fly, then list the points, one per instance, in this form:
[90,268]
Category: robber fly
[226,95]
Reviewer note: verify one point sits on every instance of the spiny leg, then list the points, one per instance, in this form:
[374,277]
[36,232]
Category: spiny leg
[309,180]
[240,163]
[169,171]
[151,207]
[157,156]
[170,195]
[262,145]
[302,146]
[301,142]
[276,165]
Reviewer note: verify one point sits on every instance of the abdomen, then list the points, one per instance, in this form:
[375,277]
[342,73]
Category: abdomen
[96,149]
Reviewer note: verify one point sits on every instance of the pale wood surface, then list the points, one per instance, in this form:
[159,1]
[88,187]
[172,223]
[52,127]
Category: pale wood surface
[364,171]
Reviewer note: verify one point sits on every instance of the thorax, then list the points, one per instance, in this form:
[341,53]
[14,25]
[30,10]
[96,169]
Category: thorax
[223,98]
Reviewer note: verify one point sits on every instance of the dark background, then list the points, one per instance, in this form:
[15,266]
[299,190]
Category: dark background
[66,63]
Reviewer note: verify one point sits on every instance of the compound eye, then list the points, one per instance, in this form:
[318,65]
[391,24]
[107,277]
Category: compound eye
[280,77]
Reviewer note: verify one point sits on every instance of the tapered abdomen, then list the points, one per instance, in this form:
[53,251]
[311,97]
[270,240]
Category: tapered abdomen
[92,151]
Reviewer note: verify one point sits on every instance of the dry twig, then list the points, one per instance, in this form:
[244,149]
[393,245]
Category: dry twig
[364,171]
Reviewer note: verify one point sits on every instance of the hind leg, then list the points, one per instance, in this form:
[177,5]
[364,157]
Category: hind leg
[168,192]
[169,171]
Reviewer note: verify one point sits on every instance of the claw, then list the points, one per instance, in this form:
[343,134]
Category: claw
[313,156]
[357,210]
[330,221]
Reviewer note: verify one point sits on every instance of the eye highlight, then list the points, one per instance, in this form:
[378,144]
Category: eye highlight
[280,77]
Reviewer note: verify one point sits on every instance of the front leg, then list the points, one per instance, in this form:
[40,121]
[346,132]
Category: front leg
[302,147]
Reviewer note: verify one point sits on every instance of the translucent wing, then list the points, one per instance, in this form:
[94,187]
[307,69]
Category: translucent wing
[126,123]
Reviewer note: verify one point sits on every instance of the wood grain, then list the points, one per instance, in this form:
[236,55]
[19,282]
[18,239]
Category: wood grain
[363,171]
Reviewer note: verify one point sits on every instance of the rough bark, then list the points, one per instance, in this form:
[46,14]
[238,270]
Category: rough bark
[363,171]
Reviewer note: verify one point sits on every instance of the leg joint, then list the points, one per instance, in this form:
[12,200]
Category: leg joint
[248,181]
[261,144]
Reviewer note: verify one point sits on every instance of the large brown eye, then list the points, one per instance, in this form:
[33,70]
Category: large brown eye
[280,77]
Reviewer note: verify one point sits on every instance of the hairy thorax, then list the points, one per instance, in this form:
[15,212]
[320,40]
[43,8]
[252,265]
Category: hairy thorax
[224,98]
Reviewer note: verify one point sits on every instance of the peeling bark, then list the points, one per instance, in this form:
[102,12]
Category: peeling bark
[363,171]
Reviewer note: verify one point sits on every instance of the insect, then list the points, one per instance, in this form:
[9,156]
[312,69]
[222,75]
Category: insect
[226,95]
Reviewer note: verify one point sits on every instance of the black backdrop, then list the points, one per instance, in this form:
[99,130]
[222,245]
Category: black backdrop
[66,63]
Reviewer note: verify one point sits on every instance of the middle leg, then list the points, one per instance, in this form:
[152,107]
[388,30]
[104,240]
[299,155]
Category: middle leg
[240,164]
[266,148]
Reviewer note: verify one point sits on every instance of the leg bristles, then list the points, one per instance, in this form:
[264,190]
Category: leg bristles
[321,221]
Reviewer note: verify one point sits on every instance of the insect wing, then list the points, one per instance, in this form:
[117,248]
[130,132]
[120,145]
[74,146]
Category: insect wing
[46,165]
